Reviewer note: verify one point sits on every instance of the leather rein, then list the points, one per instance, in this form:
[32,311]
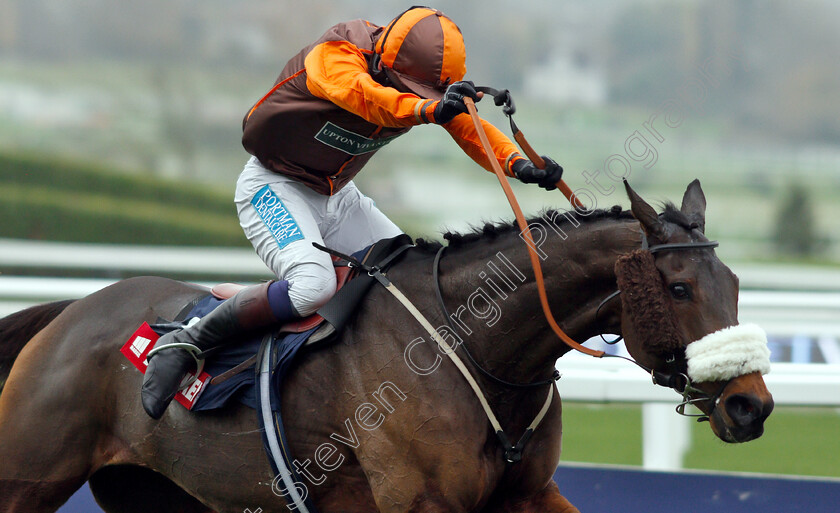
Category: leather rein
[673,378]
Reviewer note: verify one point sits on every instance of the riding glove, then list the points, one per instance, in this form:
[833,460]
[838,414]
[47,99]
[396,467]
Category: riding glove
[547,178]
[452,102]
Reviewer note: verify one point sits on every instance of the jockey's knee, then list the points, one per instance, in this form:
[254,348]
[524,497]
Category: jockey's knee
[309,292]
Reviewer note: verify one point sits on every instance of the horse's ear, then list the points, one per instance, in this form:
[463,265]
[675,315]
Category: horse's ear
[694,205]
[646,215]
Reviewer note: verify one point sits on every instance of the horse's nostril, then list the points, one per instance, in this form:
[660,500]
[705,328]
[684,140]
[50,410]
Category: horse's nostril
[745,409]
[767,408]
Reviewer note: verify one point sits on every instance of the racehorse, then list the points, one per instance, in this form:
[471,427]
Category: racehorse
[379,420]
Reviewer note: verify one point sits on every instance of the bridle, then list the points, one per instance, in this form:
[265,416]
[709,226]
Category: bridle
[673,378]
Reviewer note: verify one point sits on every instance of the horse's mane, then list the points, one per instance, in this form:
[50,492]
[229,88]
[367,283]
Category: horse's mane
[492,230]
[672,214]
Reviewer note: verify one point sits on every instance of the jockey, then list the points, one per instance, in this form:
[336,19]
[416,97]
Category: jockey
[333,106]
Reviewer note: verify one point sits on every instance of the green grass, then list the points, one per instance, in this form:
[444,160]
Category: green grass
[596,433]
[70,176]
[69,201]
[801,441]
[797,441]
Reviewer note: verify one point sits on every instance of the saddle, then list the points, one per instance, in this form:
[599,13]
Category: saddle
[308,333]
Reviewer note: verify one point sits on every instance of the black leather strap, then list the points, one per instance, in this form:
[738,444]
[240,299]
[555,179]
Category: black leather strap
[344,303]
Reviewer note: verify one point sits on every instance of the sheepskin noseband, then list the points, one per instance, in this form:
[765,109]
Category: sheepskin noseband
[728,353]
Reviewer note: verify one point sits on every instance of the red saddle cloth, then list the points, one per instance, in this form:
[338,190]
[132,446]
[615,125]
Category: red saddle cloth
[343,273]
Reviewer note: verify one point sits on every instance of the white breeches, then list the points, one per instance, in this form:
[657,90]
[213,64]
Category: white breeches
[283,217]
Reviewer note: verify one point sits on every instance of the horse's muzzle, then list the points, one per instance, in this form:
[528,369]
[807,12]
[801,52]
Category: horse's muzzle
[742,417]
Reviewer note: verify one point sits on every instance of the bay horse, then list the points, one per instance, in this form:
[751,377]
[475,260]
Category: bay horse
[377,421]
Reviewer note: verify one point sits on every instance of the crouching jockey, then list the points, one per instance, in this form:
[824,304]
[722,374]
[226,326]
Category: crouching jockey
[333,106]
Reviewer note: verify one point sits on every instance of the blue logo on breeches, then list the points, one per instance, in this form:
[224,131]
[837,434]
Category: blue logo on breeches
[277,219]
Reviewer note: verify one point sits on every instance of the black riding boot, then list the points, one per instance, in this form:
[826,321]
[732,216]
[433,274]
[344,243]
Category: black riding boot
[248,310]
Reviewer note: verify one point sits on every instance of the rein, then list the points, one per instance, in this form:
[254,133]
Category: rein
[513,452]
[670,379]
[505,100]
[523,227]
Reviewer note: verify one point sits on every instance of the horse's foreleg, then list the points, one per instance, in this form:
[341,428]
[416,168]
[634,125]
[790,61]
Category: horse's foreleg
[22,496]
[548,500]
[34,477]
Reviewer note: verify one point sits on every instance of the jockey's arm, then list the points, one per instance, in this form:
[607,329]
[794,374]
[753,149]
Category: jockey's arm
[337,71]
[461,129]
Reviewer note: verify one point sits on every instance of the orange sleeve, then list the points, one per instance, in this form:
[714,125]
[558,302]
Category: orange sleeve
[462,130]
[337,71]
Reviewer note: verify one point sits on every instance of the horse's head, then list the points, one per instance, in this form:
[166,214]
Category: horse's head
[680,319]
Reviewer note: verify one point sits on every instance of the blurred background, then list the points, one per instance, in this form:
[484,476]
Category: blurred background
[120,123]
[158,90]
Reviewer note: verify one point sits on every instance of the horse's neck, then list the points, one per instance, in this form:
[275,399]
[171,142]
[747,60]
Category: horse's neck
[492,294]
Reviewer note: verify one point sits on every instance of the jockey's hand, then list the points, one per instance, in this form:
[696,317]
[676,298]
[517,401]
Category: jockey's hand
[547,178]
[452,102]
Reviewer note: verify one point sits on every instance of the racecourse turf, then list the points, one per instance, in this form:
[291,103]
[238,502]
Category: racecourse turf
[797,441]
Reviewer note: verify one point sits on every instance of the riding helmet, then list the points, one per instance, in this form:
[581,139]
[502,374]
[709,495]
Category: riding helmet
[422,51]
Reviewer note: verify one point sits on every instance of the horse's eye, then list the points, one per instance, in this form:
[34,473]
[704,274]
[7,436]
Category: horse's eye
[680,290]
